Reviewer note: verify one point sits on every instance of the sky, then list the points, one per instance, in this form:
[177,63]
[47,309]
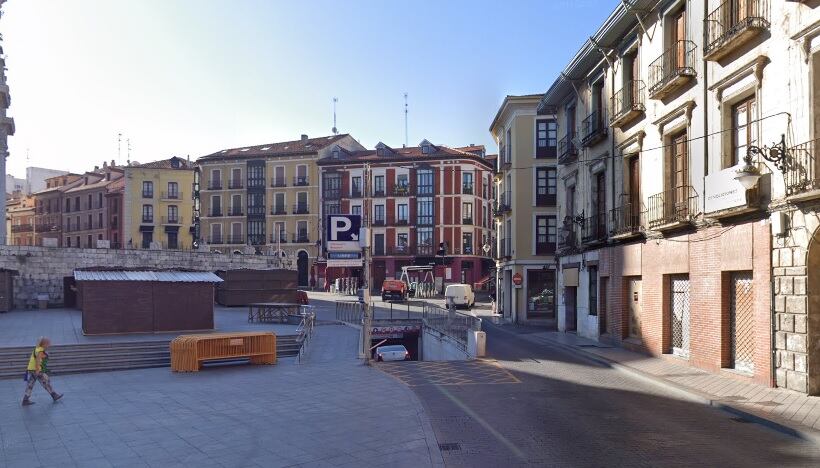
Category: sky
[191,77]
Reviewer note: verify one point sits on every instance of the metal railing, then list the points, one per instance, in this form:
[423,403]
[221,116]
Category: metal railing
[467,189]
[801,171]
[22,228]
[283,238]
[677,62]
[171,196]
[378,192]
[568,236]
[278,182]
[451,323]
[468,221]
[594,228]
[678,205]
[304,331]
[627,101]
[236,184]
[300,181]
[145,219]
[145,194]
[626,218]
[378,222]
[356,193]
[214,185]
[593,128]
[425,250]
[347,286]
[350,312]
[236,211]
[301,238]
[401,190]
[300,208]
[730,20]
[170,220]
[566,148]
[234,239]
[215,212]
[503,204]
[278,210]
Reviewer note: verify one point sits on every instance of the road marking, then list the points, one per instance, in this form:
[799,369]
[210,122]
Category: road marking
[478,372]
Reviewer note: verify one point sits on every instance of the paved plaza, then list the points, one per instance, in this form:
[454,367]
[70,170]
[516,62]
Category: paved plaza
[328,411]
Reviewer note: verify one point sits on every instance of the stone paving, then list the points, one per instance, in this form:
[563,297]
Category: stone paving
[784,407]
[64,326]
[329,411]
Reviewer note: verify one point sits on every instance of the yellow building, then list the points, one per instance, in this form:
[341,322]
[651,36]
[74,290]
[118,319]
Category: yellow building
[267,197]
[158,205]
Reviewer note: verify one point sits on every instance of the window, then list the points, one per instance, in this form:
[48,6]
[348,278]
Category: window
[90,224]
[467,183]
[332,185]
[356,186]
[216,179]
[76,203]
[236,205]
[256,231]
[68,205]
[89,241]
[100,221]
[256,203]
[402,242]
[508,149]
[378,244]
[425,149]
[301,175]
[147,239]
[467,213]
[545,186]
[467,243]
[302,231]
[279,233]
[332,208]
[402,182]
[424,212]
[279,176]
[173,240]
[216,205]
[356,210]
[173,214]
[68,242]
[279,203]
[147,189]
[147,213]
[99,200]
[256,174]
[424,236]
[545,232]
[744,131]
[302,203]
[546,138]
[402,213]
[88,207]
[593,289]
[236,178]
[378,186]
[378,214]
[424,182]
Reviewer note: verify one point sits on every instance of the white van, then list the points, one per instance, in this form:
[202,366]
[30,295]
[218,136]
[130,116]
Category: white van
[462,294]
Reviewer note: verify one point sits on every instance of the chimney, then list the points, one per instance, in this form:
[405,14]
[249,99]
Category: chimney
[96,168]
[105,164]
[304,137]
[112,163]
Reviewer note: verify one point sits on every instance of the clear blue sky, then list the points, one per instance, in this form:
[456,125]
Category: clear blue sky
[189,77]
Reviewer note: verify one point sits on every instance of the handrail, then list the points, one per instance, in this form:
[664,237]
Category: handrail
[730,19]
[305,330]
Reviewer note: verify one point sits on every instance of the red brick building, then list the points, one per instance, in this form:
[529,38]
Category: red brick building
[415,199]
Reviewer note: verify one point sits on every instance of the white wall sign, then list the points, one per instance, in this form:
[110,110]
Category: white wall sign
[723,191]
[344,262]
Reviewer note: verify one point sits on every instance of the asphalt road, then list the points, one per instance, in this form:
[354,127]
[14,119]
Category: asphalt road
[568,411]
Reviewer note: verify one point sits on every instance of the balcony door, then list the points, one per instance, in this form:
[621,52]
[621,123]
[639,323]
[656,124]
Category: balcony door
[679,165]
[634,170]
[678,36]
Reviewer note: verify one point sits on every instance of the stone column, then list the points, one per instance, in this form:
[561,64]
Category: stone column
[6,130]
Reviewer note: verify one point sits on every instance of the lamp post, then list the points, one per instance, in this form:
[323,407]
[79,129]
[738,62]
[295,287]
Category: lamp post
[749,174]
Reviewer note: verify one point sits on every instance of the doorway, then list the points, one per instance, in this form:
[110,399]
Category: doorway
[679,309]
[634,299]
[570,308]
[302,268]
[741,322]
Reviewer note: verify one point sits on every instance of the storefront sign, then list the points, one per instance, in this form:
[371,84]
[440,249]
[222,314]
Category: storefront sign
[394,332]
[723,191]
[344,262]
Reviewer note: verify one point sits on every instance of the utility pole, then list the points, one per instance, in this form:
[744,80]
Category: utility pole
[367,322]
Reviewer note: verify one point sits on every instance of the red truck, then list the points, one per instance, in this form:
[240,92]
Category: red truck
[395,290]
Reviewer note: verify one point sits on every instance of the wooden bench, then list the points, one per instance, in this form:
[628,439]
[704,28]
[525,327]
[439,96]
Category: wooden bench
[188,352]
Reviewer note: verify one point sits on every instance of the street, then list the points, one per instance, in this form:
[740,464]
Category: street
[559,409]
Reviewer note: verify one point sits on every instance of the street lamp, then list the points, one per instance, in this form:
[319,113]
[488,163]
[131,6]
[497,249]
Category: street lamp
[749,174]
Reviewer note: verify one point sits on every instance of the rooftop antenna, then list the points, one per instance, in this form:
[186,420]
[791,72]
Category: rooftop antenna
[335,130]
[405,120]
[128,145]
[119,145]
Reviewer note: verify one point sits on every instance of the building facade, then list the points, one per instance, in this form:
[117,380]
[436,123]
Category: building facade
[157,205]
[114,196]
[666,245]
[85,210]
[48,218]
[266,198]
[417,200]
[525,213]
[21,220]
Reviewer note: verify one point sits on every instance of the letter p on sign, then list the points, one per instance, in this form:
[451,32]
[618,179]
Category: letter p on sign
[338,224]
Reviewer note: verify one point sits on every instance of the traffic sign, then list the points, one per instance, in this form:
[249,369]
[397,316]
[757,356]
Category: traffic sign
[518,279]
[343,232]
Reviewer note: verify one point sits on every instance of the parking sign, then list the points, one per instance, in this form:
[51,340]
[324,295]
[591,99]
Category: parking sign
[342,232]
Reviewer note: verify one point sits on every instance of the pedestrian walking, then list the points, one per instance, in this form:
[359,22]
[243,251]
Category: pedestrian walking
[38,371]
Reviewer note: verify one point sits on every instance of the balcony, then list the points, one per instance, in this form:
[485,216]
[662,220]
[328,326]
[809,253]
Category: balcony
[426,250]
[278,182]
[568,235]
[504,158]
[627,104]
[282,238]
[235,239]
[593,129]
[400,250]
[301,208]
[401,191]
[467,189]
[626,219]
[506,248]
[300,181]
[802,178]
[215,212]
[214,185]
[22,228]
[145,219]
[170,220]
[673,208]
[673,69]
[401,222]
[567,152]
[234,184]
[379,222]
[278,210]
[215,240]
[732,24]
[171,196]
[301,238]
[503,205]
[332,194]
[379,192]
[356,192]
[467,221]
[236,211]
[594,229]
[145,194]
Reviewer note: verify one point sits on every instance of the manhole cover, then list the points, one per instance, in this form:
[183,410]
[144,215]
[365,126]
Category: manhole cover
[449,447]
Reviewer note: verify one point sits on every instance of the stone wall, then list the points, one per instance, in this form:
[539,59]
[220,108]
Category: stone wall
[42,269]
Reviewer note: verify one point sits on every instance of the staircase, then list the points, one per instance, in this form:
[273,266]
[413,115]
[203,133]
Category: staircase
[79,358]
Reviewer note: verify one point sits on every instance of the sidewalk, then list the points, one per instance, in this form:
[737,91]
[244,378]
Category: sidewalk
[783,410]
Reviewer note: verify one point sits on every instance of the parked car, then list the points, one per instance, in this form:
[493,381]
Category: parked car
[394,290]
[392,353]
[462,295]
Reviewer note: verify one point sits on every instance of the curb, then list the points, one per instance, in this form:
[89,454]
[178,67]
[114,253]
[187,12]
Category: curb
[693,395]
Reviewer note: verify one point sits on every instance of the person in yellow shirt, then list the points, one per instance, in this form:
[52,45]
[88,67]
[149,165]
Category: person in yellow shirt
[38,371]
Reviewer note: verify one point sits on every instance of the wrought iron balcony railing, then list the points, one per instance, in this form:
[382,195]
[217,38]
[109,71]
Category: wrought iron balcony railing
[171,196]
[301,208]
[467,189]
[301,238]
[22,228]
[170,220]
[467,221]
[802,172]
[568,235]
[282,238]
[593,129]
[236,211]
[214,185]
[594,228]
[278,182]
[503,205]
[675,206]
[301,181]
[401,190]
[278,210]
[627,218]
[332,193]
[731,24]
[627,103]
[567,151]
[673,69]
[236,184]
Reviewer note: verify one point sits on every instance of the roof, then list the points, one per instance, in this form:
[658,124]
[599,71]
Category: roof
[305,146]
[154,276]
[170,163]
[97,184]
[514,99]
[401,154]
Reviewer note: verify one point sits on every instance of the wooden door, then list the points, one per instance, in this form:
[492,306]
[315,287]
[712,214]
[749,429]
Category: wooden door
[680,176]
[600,204]
[634,189]
[679,35]
[570,302]
[634,300]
